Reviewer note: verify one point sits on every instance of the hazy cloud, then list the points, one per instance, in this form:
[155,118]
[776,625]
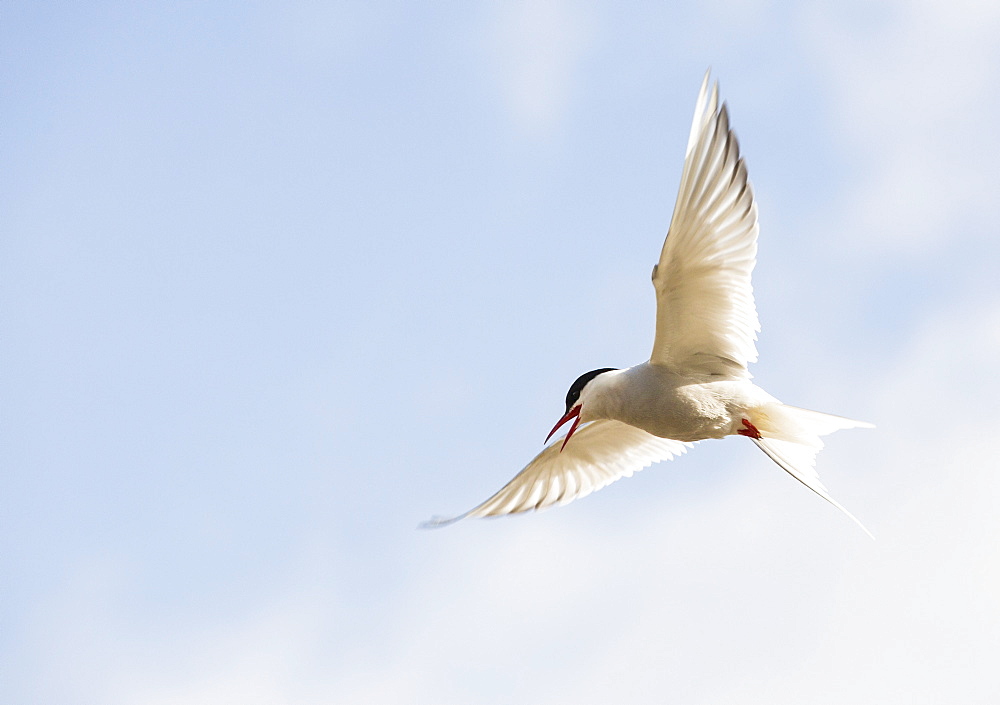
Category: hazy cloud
[538,46]
[911,95]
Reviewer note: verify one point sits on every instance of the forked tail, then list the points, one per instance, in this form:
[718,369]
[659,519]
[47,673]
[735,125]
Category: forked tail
[791,437]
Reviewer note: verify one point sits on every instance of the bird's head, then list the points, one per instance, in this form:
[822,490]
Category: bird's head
[575,398]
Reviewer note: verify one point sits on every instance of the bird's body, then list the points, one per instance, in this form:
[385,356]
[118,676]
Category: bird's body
[696,384]
[674,405]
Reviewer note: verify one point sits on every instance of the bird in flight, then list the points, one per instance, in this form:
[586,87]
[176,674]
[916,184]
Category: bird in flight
[695,384]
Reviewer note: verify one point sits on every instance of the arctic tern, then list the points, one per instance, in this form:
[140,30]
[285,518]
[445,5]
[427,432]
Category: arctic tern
[695,385]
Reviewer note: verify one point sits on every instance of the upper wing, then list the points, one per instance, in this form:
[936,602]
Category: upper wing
[705,316]
[597,455]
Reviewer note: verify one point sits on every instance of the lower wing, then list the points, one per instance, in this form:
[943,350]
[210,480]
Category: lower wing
[598,454]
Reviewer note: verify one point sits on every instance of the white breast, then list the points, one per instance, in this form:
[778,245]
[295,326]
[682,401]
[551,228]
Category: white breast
[668,405]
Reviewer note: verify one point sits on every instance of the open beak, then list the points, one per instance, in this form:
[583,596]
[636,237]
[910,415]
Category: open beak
[573,413]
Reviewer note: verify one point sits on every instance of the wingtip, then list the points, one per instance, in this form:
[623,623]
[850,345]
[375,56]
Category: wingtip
[855,520]
[705,106]
[439,522]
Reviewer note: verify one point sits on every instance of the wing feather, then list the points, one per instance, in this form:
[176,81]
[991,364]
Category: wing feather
[598,454]
[706,321]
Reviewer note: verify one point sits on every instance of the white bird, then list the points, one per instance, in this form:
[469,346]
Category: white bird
[695,384]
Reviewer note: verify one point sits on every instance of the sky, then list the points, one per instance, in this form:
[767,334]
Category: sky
[278,282]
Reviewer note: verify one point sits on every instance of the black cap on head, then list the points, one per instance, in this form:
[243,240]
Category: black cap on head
[574,390]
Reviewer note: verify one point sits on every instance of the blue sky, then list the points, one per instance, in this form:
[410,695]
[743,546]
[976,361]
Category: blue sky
[281,281]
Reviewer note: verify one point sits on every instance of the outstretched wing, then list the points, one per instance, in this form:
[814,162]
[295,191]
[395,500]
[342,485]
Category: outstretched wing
[705,317]
[597,455]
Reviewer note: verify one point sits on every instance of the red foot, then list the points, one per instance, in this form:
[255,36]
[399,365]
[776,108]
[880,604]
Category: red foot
[750,431]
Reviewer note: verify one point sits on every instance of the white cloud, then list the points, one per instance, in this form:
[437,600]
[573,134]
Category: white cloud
[538,46]
[757,593]
[753,592]
[911,93]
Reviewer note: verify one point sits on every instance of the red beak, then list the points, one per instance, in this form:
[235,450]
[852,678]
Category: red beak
[573,413]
